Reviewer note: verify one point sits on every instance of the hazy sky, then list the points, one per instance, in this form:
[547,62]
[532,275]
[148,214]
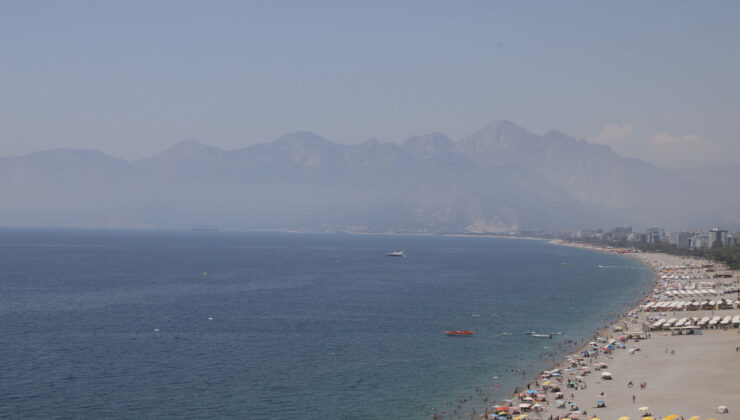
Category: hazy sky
[131,78]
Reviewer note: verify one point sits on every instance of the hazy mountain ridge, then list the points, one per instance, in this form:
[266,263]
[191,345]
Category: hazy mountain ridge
[499,178]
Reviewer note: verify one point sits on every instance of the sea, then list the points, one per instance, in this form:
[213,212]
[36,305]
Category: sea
[269,325]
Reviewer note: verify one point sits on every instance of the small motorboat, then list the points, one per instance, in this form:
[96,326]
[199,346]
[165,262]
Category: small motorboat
[396,254]
[542,335]
[459,333]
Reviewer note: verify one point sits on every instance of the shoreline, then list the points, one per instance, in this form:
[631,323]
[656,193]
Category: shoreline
[547,408]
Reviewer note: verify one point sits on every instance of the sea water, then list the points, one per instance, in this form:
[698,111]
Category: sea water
[253,325]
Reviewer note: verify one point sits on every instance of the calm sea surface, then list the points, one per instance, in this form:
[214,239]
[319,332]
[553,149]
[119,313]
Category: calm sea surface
[97,324]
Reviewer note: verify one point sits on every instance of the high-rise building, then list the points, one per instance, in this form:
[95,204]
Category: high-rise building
[717,237]
[655,235]
[699,240]
[621,233]
[680,239]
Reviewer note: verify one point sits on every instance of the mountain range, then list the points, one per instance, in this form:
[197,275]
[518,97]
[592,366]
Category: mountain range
[501,178]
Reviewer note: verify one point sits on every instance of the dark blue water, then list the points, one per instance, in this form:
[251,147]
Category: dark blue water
[303,326]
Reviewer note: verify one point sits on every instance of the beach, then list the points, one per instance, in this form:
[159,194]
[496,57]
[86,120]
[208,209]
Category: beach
[658,375]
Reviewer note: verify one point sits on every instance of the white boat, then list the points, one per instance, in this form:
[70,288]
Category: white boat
[396,254]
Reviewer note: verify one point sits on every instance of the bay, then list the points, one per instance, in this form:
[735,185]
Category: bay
[265,325]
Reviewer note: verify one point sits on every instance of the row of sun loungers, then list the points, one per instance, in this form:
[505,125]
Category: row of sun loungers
[705,322]
[691,293]
[677,305]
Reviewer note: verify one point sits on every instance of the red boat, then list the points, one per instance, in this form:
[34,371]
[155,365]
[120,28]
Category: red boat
[464,333]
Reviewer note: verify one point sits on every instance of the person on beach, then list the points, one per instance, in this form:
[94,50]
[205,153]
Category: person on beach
[633,398]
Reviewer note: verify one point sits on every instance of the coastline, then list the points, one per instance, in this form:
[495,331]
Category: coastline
[619,397]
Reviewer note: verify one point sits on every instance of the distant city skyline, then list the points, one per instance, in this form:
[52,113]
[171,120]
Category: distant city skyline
[652,80]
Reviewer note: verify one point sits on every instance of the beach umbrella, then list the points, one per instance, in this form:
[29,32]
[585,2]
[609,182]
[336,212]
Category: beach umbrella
[648,418]
[624,418]
[546,383]
[644,408]
[671,417]
[531,391]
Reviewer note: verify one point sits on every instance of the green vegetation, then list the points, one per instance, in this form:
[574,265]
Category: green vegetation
[727,255]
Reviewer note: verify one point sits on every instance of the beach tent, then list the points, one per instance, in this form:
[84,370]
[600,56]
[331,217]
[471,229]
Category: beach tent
[644,408]
[606,375]
[722,409]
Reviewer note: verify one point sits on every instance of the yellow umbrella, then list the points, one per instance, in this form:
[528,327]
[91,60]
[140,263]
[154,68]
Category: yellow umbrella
[695,418]
[523,416]
[671,417]
[546,383]
[624,418]
[648,418]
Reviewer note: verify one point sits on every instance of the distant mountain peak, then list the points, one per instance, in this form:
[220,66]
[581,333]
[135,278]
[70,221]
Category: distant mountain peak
[189,149]
[500,131]
[301,138]
[429,145]
[372,141]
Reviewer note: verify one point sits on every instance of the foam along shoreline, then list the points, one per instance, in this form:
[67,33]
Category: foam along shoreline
[653,370]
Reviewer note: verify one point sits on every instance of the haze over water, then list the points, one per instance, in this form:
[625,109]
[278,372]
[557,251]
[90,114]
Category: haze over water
[116,323]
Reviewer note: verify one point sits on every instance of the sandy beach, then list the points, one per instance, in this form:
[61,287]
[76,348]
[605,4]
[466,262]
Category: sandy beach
[682,375]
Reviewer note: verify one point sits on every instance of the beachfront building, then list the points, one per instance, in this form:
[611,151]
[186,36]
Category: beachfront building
[699,240]
[717,237]
[636,237]
[655,235]
[680,239]
[621,233]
